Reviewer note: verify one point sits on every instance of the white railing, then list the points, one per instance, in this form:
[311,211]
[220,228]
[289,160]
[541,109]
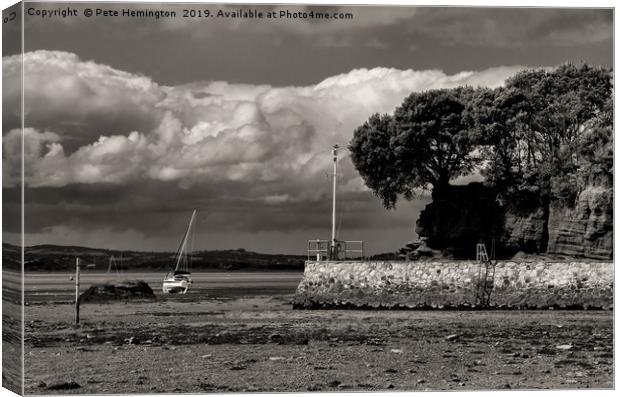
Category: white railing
[323,250]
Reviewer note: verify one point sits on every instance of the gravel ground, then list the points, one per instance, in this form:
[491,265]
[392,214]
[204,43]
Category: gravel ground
[211,343]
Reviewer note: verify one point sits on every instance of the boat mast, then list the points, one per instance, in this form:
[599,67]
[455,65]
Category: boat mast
[335,155]
[184,244]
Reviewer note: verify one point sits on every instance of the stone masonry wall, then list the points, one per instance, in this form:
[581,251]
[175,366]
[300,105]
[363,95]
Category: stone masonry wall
[423,285]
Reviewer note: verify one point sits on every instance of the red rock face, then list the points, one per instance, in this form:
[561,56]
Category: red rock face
[586,230]
[455,222]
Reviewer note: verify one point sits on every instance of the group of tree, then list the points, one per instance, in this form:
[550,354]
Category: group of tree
[541,137]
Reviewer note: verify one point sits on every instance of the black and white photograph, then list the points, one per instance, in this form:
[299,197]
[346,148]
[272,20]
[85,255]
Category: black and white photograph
[304,198]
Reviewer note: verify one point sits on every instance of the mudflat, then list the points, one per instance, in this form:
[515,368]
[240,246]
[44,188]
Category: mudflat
[241,334]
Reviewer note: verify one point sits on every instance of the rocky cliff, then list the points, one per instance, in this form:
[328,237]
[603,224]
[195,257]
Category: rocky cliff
[463,215]
[585,230]
[458,218]
[523,232]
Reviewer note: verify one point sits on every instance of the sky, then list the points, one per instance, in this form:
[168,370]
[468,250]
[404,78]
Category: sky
[132,123]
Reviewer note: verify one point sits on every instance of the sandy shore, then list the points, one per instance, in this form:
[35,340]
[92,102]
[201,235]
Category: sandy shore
[254,341]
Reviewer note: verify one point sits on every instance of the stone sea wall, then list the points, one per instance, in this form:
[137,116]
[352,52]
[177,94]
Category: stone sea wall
[459,284]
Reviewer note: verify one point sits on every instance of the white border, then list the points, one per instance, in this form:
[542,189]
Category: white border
[478,3]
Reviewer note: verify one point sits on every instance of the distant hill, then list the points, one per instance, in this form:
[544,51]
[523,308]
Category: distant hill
[60,258]
[11,257]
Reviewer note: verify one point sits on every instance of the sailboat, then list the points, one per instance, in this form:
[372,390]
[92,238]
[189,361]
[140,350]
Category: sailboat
[178,280]
[112,263]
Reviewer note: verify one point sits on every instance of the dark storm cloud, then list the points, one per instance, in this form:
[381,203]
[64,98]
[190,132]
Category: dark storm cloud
[158,212]
[151,205]
[294,52]
[510,27]
[11,210]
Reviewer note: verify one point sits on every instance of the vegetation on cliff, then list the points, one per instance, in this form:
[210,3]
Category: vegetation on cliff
[539,142]
[546,134]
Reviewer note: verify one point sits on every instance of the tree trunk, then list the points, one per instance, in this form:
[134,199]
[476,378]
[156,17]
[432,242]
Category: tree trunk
[440,186]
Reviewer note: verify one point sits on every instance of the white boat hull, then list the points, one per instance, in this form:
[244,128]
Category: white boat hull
[178,279]
[176,285]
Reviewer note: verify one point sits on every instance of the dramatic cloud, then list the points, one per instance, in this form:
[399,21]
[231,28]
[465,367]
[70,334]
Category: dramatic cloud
[81,99]
[209,132]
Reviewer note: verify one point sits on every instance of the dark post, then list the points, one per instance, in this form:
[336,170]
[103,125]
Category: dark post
[77,290]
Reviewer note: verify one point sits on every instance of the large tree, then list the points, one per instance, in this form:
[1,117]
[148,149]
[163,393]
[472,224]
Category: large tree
[536,130]
[428,141]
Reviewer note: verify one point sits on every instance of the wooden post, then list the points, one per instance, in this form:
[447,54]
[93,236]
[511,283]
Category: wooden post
[77,290]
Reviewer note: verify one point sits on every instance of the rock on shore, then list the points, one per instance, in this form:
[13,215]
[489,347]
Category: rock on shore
[120,290]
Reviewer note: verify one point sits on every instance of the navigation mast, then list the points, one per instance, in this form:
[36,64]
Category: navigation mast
[333,253]
[334,250]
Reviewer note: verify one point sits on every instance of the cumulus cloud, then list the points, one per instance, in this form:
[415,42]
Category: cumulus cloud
[205,132]
[36,147]
[82,99]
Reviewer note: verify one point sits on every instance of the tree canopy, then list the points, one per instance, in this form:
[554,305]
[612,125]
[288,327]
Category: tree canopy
[426,142]
[537,129]
[543,135]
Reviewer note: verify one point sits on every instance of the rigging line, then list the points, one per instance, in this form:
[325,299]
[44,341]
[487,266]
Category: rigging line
[177,253]
[334,134]
[340,208]
[342,204]
[191,244]
[339,227]
[328,184]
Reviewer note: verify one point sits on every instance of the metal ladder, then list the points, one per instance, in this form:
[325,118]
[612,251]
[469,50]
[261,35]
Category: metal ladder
[484,287]
[481,253]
